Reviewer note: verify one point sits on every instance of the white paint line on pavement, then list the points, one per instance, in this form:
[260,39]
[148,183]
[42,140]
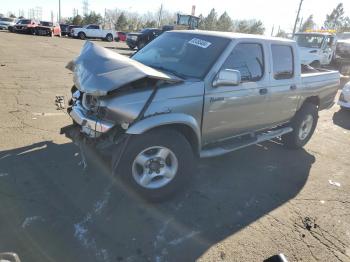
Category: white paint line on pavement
[49,114]
[184,238]
[30,220]
[82,234]
[3,174]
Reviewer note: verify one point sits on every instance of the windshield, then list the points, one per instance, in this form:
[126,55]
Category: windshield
[185,55]
[310,41]
[24,22]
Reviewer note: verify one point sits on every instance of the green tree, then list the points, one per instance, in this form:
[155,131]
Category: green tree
[308,24]
[336,18]
[211,20]
[92,18]
[249,26]
[76,20]
[122,22]
[201,22]
[282,33]
[224,23]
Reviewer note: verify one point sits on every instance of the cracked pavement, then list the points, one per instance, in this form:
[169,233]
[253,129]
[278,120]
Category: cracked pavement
[245,206]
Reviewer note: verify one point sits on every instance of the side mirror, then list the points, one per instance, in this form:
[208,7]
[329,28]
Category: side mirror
[227,77]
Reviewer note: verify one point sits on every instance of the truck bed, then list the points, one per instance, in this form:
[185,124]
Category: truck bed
[323,83]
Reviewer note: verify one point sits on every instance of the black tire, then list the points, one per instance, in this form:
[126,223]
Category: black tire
[131,47]
[293,140]
[109,38]
[141,45]
[316,64]
[82,36]
[164,137]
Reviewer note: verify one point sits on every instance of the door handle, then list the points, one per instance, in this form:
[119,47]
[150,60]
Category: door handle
[293,87]
[263,91]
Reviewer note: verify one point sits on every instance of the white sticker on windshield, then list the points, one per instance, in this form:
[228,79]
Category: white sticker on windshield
[199,42]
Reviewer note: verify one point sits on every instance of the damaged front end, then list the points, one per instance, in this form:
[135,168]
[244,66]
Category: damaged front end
[101,106]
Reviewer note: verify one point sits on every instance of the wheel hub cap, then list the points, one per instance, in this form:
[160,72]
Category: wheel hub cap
[154,167]
[305,127]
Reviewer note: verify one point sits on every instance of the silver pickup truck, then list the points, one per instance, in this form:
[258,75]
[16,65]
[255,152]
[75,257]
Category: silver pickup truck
[192,94]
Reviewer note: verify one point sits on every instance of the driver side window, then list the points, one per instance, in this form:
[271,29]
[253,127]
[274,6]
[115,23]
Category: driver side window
[248,58]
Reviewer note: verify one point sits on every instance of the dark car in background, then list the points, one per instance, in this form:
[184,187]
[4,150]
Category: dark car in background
[25,26]
[142,38]
[64,29]
[70,28]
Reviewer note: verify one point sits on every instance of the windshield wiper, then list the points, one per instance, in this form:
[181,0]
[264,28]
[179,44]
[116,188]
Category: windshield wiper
[170,71]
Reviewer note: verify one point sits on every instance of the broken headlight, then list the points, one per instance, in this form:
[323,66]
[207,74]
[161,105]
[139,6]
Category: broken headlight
[91,103]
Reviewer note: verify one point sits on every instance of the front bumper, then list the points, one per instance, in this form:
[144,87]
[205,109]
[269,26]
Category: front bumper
[90,125]
[343,101]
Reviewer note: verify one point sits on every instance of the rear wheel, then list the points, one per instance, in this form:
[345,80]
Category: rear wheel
[156,164]
[109,38]
[82,36]
[316,64]
[303,124]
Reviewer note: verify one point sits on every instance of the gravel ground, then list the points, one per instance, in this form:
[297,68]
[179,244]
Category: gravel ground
[245,206]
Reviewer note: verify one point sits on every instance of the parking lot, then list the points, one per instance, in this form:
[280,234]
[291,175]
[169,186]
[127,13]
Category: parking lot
[245,206]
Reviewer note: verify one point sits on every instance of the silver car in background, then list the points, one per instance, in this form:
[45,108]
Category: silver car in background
[5,22]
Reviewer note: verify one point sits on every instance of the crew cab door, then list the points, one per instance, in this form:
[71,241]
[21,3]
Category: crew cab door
[234,110]
[285,84]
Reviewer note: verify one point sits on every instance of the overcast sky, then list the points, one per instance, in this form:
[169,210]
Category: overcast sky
[271,12]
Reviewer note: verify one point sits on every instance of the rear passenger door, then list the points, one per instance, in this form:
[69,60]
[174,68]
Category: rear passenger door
[284,85]
[234,110]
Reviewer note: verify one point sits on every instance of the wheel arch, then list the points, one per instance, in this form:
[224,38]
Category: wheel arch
[185,124]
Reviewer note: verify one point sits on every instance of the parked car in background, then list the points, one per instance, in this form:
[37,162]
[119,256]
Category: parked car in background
[142,38]
[191,94]
[70,29]
[25,26]
[344,99]
[5,22]
[94,31]
[64,29]
[48,29]
[316,48]
[342,55]
[122,36]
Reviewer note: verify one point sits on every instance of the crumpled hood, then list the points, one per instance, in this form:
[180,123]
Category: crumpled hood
[98,71]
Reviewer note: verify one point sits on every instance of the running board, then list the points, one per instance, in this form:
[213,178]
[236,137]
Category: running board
[229,147]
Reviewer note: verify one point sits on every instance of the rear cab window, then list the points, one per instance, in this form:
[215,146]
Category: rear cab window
[283,61]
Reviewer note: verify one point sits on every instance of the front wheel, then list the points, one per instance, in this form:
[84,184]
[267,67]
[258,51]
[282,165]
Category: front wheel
[82,36]
[156,164]
[303,124]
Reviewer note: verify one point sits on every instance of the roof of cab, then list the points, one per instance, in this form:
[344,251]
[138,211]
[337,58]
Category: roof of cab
[232,35]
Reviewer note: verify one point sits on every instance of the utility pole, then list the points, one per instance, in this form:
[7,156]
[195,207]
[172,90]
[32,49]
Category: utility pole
[59,11]
[273,29]
[297,18]
[160,15]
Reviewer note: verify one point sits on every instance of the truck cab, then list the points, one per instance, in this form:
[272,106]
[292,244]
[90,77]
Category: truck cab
[316,48]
